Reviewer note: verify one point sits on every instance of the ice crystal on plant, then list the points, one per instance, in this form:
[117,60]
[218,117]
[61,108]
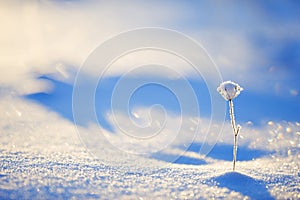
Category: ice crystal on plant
[229,90]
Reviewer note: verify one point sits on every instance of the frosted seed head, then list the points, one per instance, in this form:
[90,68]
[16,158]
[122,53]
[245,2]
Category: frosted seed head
[229,90]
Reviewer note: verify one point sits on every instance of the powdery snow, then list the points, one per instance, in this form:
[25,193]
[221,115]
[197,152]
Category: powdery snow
[43,158]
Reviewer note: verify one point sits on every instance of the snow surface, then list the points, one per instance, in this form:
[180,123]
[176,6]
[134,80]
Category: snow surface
[42,158]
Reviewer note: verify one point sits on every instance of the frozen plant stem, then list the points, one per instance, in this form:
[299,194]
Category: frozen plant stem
[230,90]
[235,132]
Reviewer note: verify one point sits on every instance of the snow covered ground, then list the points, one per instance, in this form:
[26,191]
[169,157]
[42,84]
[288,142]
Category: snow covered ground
[150,122]
[42,158]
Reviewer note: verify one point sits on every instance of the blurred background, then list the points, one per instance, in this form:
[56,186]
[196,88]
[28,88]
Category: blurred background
[254,43]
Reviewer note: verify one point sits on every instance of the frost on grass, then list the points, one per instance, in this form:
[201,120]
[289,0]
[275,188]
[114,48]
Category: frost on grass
[230,90]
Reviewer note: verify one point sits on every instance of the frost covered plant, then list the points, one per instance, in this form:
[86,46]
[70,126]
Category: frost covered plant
[229,90]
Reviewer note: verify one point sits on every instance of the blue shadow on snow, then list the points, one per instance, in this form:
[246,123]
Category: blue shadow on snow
[224,152]
[246,185]
[178,159]
[60,101]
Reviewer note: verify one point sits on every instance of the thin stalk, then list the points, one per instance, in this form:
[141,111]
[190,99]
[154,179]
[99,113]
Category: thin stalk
[235,132]
[234,151]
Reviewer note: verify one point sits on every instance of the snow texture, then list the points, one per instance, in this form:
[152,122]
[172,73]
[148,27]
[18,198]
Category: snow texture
[43,158]
[229,90]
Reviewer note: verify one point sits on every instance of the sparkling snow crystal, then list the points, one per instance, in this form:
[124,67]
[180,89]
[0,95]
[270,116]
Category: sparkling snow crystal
[229,90]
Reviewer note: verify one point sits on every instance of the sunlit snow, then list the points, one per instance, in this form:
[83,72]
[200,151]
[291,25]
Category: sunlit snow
[171,138]
[42,157]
